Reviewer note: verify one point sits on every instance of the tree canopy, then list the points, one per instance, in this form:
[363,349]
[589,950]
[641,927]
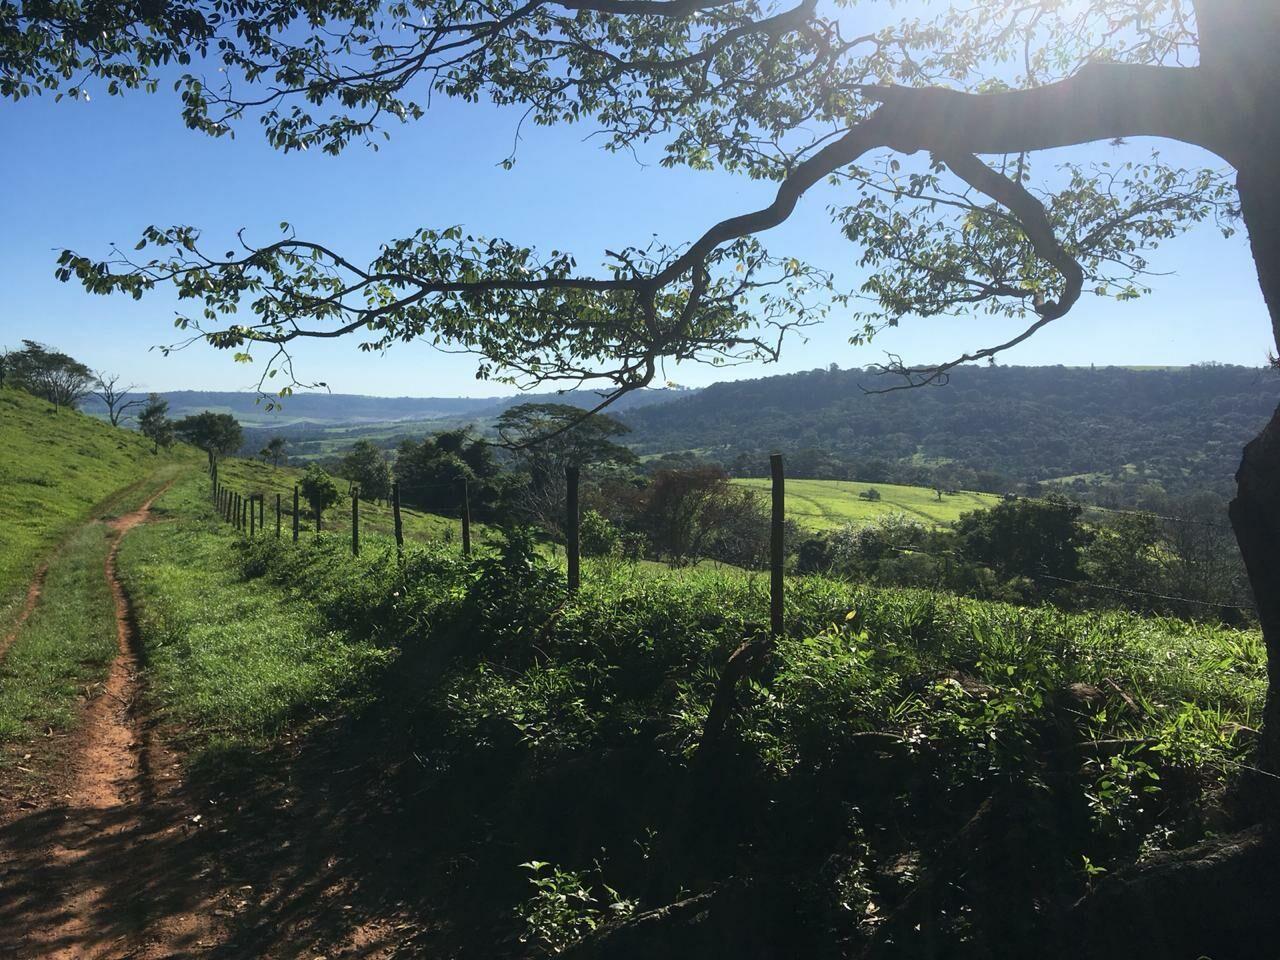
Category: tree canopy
[319,490]
[366,466]
[790,94]
[217,434]
[546,438]
[48,373]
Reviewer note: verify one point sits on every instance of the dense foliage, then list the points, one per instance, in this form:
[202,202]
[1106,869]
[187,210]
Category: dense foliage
[368,469]
[1032,551]
[318,491]
[47,373]
[884,723]
[436,473]
[217,434]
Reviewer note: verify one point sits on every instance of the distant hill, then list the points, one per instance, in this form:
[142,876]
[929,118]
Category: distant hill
[346,409]
[1115,433]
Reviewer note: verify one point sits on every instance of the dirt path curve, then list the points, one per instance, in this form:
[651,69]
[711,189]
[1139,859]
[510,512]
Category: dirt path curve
[109,869]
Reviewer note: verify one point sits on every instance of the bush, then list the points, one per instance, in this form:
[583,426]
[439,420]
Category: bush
[597,537]
[318,489]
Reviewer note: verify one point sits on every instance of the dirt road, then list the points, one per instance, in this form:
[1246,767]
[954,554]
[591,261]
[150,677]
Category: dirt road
[97,868]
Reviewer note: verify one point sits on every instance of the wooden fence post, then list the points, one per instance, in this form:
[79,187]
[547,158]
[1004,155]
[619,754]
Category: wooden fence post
[277,516]
[262,512]
[295,513]
[239,512]
[253,516]
[571,525]
[395,513]
[466,519]
[355,521]
[776,546]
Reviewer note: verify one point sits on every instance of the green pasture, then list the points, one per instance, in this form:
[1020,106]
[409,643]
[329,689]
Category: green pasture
[830,504]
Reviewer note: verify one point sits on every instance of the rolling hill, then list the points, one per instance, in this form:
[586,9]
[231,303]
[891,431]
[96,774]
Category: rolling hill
[320,410]
[58,470]
[1117,434]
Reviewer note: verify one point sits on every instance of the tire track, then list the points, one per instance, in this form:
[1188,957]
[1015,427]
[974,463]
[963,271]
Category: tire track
[28,605]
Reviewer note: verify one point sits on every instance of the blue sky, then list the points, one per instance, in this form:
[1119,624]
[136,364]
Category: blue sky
[82,175]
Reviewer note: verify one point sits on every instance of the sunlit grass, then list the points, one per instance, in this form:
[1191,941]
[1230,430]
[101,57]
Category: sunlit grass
[59,469]
[830,504]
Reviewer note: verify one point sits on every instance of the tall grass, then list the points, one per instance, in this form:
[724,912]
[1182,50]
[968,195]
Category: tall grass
[233,657]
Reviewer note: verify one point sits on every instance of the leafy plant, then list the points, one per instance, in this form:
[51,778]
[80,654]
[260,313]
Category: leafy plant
[563,909]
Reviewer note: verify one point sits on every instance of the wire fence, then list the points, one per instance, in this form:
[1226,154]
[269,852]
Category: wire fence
[246,512]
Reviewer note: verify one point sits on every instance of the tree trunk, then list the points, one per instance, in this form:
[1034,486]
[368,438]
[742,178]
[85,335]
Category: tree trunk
[1255,511]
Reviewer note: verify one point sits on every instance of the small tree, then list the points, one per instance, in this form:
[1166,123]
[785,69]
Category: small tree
[217,434]
[319,490]
[56,377]
[545,438]
[366,466]
[115,397]
[273,452]
[693,514]
[597,536]
[1035,539]
[154,422]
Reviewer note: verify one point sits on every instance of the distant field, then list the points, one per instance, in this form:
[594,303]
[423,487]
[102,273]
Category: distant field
[829,504]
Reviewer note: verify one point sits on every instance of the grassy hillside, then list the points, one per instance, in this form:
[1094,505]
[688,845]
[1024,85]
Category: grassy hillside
[829,504]
[59,469]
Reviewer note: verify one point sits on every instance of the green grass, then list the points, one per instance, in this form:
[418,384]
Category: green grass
[830,504]
[67,643]
[58,470]
[232,658]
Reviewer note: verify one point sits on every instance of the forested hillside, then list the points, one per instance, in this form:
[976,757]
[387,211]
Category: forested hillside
[1118,433]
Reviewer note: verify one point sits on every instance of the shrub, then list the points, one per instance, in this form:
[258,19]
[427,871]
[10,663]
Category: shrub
[597,537]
